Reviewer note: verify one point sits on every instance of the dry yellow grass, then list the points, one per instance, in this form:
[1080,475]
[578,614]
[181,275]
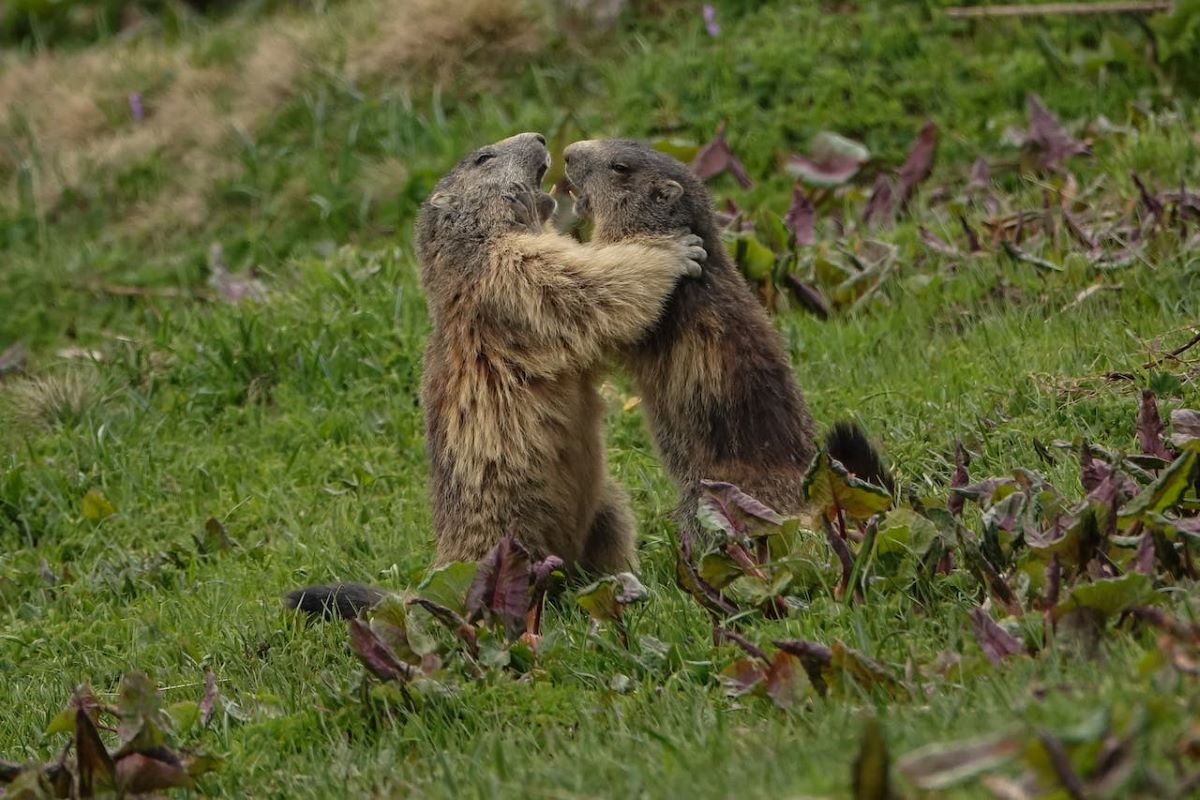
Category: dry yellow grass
[446,40]
[68,116]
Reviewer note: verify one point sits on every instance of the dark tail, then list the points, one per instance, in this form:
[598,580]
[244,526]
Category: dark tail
[334,600]
[848,443]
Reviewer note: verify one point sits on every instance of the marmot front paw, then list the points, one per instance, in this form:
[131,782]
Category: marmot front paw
[693,252]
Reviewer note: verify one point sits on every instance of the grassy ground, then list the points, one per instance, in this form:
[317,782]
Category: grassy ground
[302,143]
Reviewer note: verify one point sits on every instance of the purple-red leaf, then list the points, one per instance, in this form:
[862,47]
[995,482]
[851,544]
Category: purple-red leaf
[782,684]
[150,771]
[997,644]
[1149,199]
[834,160]
[801,216]
[94,764]
[1150,428]
[209,699]
[881,206]
[1185,426]
[936,243]
[500,591]
[808,296]
[716,157]
[918,164]
[375,655]
[726,509]
[816,658]
[1045,135]
[959,479]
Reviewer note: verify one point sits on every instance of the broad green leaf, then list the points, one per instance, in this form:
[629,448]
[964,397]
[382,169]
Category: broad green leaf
[829,487]
[184,714]
[1166,491]
[755,258]
[1109,596]
[719,570]
[679,149]
[605,599]
[96,506]
[447,585]
[904,530]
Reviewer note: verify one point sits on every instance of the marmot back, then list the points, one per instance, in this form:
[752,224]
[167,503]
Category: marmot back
[717,388]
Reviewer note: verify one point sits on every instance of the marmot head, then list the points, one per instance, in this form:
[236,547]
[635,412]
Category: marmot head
[630,188]
[492,191]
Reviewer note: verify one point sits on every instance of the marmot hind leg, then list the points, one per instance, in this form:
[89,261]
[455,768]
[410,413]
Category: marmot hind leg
[611,542]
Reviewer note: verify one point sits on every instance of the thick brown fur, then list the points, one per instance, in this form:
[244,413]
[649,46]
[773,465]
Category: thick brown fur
[716,385]
[523,319]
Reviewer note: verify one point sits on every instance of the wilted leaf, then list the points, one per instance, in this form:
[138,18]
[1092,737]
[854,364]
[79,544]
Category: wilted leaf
[783,684]
[1020,255]
[881,205]
[808,295]
[918,164]
[1109,596]
[871,778]
[716,157]
[954,503]
[835,160]
[143,725]
[96,506]
[605,599]
[997,644]
[943,765]
[94,766]
[936,243]
[208,701]
[12,359]
[151,771]
[215,538]
[377,656]
[1150,429]
[1046,136]
[801,216]
[816,659]
[500,590]
[725,509]
[1185,426]
[1149,199]
[230,287]
[448,585]
[742,676]
[865,671]
[828,486]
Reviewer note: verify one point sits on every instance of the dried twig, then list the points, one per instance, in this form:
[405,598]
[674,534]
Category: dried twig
[1051,9]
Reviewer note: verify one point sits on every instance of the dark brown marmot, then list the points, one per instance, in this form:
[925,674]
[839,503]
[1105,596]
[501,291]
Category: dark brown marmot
[717,389]
[523,318]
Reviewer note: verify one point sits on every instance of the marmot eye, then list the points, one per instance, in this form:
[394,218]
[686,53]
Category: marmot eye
[482,157]
[619,168]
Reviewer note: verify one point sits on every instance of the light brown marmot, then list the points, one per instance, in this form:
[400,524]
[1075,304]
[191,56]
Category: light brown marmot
[523,319]
[716,385]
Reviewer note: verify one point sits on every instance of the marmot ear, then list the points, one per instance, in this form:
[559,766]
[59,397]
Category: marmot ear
[668,191]
[443,200]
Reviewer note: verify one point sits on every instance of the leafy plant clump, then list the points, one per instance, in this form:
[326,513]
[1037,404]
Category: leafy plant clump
[145,761]
[1048,574]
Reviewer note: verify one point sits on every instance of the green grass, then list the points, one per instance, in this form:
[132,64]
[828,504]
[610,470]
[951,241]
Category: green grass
[296,423]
